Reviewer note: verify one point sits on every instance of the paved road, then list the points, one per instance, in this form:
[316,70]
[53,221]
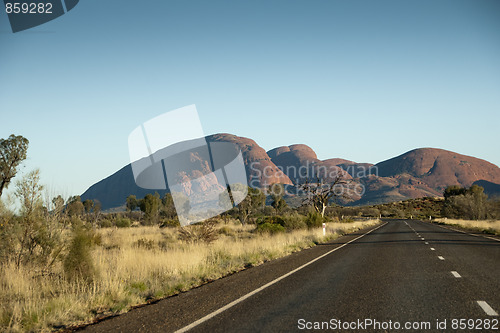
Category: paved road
[404,272]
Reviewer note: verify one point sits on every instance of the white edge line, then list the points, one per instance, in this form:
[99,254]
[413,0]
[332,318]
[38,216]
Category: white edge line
[455,274]
[464,232]
[244,297]
[487,308]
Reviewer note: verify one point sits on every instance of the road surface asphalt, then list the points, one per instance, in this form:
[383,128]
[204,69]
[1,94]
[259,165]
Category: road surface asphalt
[410,273]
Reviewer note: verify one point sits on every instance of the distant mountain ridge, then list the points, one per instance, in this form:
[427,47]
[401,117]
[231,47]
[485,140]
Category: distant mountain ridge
[418,173]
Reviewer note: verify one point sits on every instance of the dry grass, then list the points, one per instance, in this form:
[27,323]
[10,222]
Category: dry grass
[484,226]
[140,264]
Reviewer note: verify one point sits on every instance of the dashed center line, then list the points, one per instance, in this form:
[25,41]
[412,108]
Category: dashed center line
[440,258]
[455,274]
[487,308]
[433,249]
[426,243]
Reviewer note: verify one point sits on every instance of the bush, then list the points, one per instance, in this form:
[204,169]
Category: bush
[123,222]
[226,231]
[271,220]
[314,220]
[170,223]
[144,243]
[201,232]
[106,223]
[78,264]
[294,221]
[271,228]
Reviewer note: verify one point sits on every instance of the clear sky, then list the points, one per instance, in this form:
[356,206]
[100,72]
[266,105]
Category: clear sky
[360,80]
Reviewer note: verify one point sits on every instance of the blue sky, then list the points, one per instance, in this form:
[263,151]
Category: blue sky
[361,80]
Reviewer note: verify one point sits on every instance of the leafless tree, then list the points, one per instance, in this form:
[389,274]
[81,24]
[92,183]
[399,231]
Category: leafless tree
[319,193]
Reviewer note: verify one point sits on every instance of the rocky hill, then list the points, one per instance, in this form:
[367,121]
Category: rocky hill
[423,172]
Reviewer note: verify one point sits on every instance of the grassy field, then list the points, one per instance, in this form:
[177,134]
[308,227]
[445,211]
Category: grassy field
[135,265]
[484,226]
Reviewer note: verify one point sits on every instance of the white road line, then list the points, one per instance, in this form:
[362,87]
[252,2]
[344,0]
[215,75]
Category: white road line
[423,238]
[433,249]
[455,274]
[487,308]
[440,258]
[463,232]
[426,243]
[244,297]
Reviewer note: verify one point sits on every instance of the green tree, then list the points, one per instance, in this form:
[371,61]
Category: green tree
[57,206]
[471,203]
[168,206]
[150,205]
[29,226]
[88,205]
[74,206]
[131,203]
[454,190]
[12,152]
[253,202]
[277,191]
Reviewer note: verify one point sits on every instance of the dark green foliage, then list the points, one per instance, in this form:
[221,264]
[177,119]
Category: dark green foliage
[454,190]
[74,206]
[106,223]
[277,202]
[78,264]
[150,205]
[88,205]
[466,203]
[168,208]
[271,219]
[123,222]
[252,204]
[294,221]
[314,220]
[271,228]
[12,152]
[131,203]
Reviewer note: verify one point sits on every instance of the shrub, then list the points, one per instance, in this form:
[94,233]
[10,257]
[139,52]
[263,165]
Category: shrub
[145,243]
[226,231]
[294,221]
[78,264]
[271,228]
[202,232]
[106,223]
[271,220]
[170,223]
[123,222]
[314,220]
